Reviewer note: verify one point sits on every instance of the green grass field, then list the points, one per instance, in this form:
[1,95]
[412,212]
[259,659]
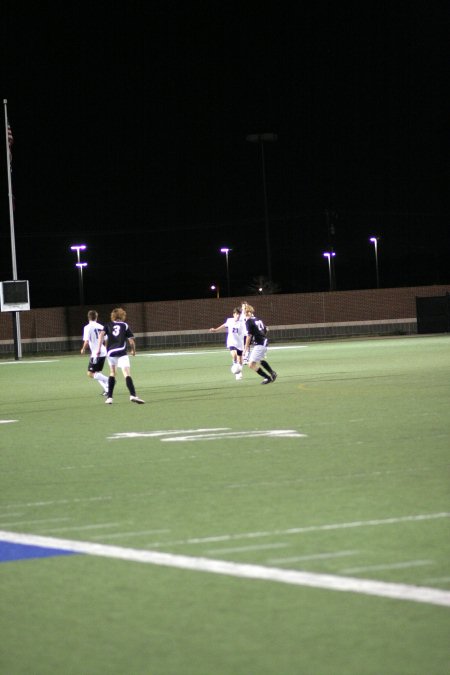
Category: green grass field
[266,501]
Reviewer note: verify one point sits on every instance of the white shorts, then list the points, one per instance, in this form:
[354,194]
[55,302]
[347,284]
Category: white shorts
[257,353]
[119,361]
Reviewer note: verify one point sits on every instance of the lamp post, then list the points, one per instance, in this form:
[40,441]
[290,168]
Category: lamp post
[261,139]
[215,288]
[226,251]
[80,265]
[374,241]
[330,255]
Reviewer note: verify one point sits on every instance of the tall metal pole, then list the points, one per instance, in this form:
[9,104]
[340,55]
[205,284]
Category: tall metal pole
[15,315]
[261,139]
[266,213]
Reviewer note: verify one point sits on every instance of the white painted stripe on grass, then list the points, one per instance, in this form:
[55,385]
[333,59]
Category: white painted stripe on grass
[201,352]
[8,421]
[139,533]
[244,549]
[313,556]
[80,528]
[388,566]
[214,434]
[305,530]
[422,594]
[9,363]
[33,521]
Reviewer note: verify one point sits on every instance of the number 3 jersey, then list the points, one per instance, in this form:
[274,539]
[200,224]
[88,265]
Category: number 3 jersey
[117,333]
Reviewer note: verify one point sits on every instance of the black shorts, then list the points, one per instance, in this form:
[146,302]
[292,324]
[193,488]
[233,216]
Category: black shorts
[96,364]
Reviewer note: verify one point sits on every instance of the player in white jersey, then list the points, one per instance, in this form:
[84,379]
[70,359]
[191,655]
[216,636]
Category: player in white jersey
[235,326]
[90,339]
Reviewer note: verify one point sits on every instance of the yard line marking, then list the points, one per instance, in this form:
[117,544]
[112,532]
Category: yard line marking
[386,566]
[243,549]
[118,535]
[424,594]
[208,434]
[81,527]
[9,363]
[157,434]
[31,521]
[214,351]
[304,530]
[314,556]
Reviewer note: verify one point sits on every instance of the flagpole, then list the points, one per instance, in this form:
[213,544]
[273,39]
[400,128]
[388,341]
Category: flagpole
[15,315]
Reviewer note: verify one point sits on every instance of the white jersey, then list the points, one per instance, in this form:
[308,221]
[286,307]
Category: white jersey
[90,333]
[236,333]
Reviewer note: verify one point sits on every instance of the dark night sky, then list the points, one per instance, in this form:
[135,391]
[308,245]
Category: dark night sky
[130,124]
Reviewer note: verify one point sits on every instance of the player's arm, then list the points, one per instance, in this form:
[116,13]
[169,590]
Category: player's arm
[84,347]
[132,344]
[101,337]
[214,330]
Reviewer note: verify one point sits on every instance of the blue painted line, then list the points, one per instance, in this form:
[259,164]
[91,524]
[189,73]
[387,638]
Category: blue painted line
[11,552]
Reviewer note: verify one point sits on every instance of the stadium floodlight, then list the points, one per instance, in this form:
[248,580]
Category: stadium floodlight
[80,265]
[215,288]
[226,251]
[330,255]
[374,241]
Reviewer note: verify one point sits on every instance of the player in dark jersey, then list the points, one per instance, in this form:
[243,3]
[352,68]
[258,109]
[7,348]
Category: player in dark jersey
[256,344]
[119,335]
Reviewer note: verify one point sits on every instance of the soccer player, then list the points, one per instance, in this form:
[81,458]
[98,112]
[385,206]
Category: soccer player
[90,339]
[118,334]
[235,339]
[257,340]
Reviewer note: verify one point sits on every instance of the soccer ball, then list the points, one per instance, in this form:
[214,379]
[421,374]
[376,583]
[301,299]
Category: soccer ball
[235,368]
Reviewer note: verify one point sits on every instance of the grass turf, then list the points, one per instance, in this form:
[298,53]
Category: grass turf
[343,498]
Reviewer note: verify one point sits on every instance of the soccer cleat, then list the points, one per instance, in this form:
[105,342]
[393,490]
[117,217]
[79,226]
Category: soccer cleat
[136,399]
[104,393]
[274,376]
[267,380]
[239,376]
[109,400]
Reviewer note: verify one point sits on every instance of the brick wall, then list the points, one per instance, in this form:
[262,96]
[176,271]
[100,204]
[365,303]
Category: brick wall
[186,322]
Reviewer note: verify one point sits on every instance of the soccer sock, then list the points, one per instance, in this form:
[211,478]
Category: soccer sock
[111,385]
[130,385]
[266,366]
[102,380]
[262,373]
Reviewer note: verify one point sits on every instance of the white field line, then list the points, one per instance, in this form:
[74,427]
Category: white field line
[422,594]
[120,535]
[7,421]
[31,521]
[303,530]
[10,363]
[313,556]
[214,351]
[79,528]
[207,434]
[244,549]
[387,566]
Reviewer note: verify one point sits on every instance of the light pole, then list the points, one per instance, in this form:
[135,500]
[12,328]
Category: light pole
[226,251]
[80,265]
[261,139]
[329,255]
[215,288]
[374,241]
